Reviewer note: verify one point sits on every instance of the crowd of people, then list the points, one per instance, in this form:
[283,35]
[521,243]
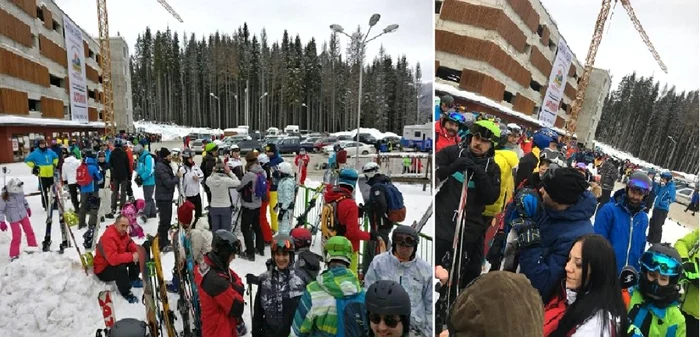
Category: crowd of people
[520,206]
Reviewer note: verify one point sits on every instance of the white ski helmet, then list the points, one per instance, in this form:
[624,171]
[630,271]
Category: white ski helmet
[284,168]
[15,186]
[232,163]
[263,159]
[370,169]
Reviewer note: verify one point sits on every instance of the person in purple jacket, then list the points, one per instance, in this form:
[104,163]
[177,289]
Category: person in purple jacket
[15,209]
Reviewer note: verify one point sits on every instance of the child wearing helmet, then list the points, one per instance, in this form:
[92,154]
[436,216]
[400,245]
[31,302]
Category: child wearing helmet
[653,306]
[688,250]
[307,264]
[285,198]
[388,309]
[665,192]
[15,209]
[279,291]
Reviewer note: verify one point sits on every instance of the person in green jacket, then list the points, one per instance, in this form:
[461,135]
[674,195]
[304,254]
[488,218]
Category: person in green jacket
[653,306]
[688,250]
[318,310]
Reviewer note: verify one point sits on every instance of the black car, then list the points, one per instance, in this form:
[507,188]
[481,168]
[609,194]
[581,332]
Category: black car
[289,145]
[249,145]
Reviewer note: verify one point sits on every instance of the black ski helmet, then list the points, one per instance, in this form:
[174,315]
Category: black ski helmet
[88,153]
[224,244]
[386,297]
[129,327]
[405,230]
[661,296]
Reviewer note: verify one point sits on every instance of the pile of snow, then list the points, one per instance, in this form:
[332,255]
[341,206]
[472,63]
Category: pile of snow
[18,120]
[373,132]
[171,132]
[609,150]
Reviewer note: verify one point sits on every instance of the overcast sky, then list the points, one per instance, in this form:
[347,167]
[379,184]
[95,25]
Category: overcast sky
[308,18]
[672,26]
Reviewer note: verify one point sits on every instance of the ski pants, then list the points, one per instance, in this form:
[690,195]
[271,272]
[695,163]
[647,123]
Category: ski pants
[285,223]
[656,225]
[120,191]
[273,214]
[691,325]
[91,203]
[123,274]
[105,195]
[604,198]
[220,218]
[150,209]
[471,258]
[302,176]
[165,215]
[250,225]
[207,191]
[25,226]
[74,191]
[371,248]
[45,187]
[197,202]
[264,224]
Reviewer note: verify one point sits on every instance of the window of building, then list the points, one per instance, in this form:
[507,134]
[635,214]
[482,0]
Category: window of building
[552,45]
[536,86]
[91,94]
[508,96]
[56,81]
[35,41]
[126,52]
[34,105]
[56,26]
[91,54]
[564,106]
[540,30]
[40,14]
[536,110]
[449,74]
[99,115]
[438,6]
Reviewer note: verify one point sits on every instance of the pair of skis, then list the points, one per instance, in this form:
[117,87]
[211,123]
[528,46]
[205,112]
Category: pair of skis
[154,290]
[52,199]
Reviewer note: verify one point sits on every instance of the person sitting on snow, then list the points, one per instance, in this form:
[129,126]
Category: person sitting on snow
[117,257]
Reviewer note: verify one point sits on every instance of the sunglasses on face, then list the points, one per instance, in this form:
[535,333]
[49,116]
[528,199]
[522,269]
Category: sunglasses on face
[389,321]
[660,263]
[406,241]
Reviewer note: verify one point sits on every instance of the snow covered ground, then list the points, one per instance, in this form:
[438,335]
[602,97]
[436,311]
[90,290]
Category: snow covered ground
[626,155]
[47,294]
[173,132]
[373,132]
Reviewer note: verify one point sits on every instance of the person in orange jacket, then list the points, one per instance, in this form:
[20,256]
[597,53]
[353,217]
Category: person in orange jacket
[446,130]
[302,162]
[116,258]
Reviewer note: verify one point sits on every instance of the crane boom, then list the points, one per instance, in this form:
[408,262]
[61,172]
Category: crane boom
[638,26]
[170,10]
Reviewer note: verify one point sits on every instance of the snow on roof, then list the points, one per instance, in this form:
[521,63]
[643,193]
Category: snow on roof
[10,120]
[609,150]
[490,103]
[373,132]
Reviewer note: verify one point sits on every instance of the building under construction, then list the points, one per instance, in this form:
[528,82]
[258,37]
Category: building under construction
[35,91]
[504,50]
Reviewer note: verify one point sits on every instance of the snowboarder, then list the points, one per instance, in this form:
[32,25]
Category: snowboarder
[191,177]
[389,310]
[15,209]
[251,203]
[166,181]
[117,258]
[286,194]
[42,161]
[279,291]
[220,288]
[307,264]
[665,192]
[302,163]
[219,182]
[415,275]
[68,172]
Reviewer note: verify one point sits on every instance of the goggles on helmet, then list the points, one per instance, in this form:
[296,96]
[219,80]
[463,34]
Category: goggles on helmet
[484,133]
[640,185]
[663,264]
[456,117]
[283,245]
[405,240]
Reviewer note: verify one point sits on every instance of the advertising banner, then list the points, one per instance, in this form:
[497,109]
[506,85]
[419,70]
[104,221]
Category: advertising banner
[556,84]
[76,71]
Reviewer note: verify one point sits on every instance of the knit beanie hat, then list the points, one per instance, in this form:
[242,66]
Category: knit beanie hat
[502,294]
[271,148]
[251,156]
[185,212]
[163,152]
[565,185]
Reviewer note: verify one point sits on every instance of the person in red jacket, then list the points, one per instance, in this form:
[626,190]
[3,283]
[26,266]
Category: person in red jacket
[220,289]
[341,157]
[347,211]
[302,161]
[116,259]
[446,130]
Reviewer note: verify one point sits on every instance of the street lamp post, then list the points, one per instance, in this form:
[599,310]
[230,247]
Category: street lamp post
[218,113]
[362,39]
[308,117]
[260,120]
[673,150]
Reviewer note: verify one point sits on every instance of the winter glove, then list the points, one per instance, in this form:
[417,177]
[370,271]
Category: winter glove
[462,164]
[527,203]
[251,279]
[361,211]
[690,269]
[280,215]
[528,232]
[494,253]
[3,226]
[35,170]
[29,212]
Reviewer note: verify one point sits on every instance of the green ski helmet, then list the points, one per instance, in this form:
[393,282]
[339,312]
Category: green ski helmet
[338,248]
[486,129]
[211,147]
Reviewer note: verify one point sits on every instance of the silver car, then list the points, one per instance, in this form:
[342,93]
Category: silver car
[684,195]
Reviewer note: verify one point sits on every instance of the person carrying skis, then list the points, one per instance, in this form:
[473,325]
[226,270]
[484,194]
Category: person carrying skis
[279,291]
[250,207]
[688,248]
[274,178]
[117,257]
[307,264]
[42,161]
[104,192]
[623,223]
[447,129]
[68,174]
[388,310]
[415,275]
[286,192]
[665,192]
[219,182]
[121,176]
[191,176]
[220,289]
[166,181]
[15,210]
[145,169]
[89,194]
[302,162]
[334,295]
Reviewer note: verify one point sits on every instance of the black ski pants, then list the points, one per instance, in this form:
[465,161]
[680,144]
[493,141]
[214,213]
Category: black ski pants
[197,201]
[250,225]
[45,186]
[91,203]
[123,274]
[165,215]
[656,225]
[119,190]
[74,191]
[691,325]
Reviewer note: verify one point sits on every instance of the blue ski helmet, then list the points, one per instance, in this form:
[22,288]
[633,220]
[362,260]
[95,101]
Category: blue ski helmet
[348,177]
[544,136]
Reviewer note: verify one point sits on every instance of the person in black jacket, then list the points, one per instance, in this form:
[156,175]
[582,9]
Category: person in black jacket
[166,181]
[376,210]
[649,201]
[545,142]
[121,176]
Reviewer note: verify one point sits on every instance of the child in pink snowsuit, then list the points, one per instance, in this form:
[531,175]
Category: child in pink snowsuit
[14,208]
[132,211]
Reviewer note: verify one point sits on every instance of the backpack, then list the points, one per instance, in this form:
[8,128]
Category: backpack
[352,309]
[329,220]
[396,210]
[261,186]
[83,176]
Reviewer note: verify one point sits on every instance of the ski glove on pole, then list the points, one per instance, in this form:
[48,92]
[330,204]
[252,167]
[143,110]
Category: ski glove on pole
[528,232]
[462,164]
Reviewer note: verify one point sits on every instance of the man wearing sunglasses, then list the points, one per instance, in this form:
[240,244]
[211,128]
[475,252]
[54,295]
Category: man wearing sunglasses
[623,222]
[414,274]
[389,309]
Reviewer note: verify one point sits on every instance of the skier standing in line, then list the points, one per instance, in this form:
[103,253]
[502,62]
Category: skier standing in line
[166,181]
[104,192]
[545,141]
[285,194]
[191,177]
[68,172]
[42,162]
[145,169]
[264,162]
[274,178]
[302,162]
[90,196]
[250,208]
[121,176]
[219,182]
[447,129]
[608,175]
[207,166]
[307,264]
[389,310]
[15,209]
[665,192]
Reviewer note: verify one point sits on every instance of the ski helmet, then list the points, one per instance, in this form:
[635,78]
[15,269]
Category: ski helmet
[224,244]
[665,260]
[487,130]
[129,327]
[338,248]
[186,153]
[552,157]
[101,154]
[409,237]
[348,177]
[15,186]
[138,149]
[640,180]
[370,169]
[234,148]
[211,147]
[88,153]
[543,137]
[285,168]
[283,243]
[263,159]
[666,175]
[302,237]
[456,118]
[386,297]
[176,151]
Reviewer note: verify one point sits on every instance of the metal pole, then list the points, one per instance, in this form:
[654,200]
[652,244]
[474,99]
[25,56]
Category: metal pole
[359,106]
[219,101]
[417,107]
[246,103]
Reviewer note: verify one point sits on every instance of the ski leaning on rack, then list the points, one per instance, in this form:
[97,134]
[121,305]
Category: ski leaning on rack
[149,300]
[184,302]
[167,316]
[54,202]
[418,225]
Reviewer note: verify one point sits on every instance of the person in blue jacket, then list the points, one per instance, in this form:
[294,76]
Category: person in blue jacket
[145,168]
[547,229]
[624,223]
[43,162]
[89,196]
[665,192]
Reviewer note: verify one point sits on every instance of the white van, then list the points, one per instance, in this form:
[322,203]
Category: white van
[273,131]
[291,129]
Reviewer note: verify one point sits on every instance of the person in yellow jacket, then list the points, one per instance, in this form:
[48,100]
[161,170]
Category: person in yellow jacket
[42,162]
[687,248]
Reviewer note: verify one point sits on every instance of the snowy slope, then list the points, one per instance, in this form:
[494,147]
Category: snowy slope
[626,155]
[173,132]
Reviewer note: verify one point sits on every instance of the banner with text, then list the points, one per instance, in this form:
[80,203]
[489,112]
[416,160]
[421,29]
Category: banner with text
[76,71]
[556,84]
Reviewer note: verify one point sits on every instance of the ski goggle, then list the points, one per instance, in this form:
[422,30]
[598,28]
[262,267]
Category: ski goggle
[283,245]
[389,320]
[484,133]
[456,117]
[663,264]
[405,240]
[640,185]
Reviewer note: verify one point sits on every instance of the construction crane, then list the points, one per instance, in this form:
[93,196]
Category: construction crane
[105,62]
[593,50]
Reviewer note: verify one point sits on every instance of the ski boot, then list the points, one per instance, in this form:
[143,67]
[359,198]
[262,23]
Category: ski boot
[62,247]
[46,245]
[88,237]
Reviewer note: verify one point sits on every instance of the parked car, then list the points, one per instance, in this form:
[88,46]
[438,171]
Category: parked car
[197,146]
[366,138]
[351,147]
[270,140]
[249,145]
[289,145]
[319,144]
[684,195]
[345,137]
[308,143]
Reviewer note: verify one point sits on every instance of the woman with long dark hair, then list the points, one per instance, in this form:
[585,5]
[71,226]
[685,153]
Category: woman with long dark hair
[589,301]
